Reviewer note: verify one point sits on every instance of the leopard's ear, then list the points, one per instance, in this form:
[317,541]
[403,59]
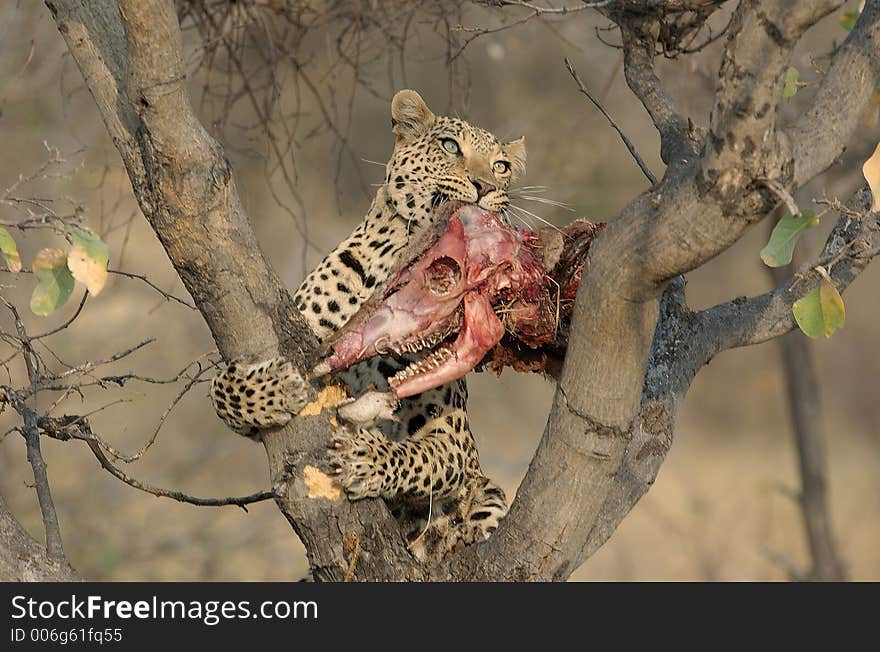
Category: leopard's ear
[410,116]
[516,151]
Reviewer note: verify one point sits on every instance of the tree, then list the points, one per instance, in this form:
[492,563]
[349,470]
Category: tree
[635,346]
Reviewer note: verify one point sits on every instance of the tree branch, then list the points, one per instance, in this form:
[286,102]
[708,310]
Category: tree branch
[851,245]
[76,427]
[31,435]
[805,414]
[130,56]
[624,375]
[611,437]
[626,141]
[677,138]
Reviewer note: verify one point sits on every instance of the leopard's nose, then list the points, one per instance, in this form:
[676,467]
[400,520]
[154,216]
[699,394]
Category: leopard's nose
[483,187]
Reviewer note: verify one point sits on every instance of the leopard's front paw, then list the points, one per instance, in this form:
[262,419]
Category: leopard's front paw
[356,457]
[250,397]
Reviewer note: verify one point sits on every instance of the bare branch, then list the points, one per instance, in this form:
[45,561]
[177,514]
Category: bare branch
[141,277]
[76,427]
[535,11]
[29,431]
[182,182]
[626,141]
[66,323]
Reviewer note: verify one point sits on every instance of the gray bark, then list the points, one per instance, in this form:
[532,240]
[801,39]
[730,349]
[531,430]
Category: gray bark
[23,559]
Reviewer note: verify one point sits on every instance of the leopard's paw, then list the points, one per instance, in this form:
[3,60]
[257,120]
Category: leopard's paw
[484,508]
[356,457]
[251,397]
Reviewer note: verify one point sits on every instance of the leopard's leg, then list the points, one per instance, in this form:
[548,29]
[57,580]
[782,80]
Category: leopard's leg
[429,467]
[472,517]
[432,463]
[250,397]
[475,513]
[482,509]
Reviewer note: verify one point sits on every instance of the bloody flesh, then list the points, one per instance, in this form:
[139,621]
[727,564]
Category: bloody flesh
[481,278]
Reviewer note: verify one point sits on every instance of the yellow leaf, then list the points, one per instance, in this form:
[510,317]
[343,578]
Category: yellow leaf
[832,306]
[9,251]
[821,312]
[88,258]
[871,170]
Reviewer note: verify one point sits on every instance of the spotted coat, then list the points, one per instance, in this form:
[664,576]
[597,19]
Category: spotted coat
[425,463]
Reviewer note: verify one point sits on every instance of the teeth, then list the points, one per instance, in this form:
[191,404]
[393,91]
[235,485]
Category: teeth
[430,362]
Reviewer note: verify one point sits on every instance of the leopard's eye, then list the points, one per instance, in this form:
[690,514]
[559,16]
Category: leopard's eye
[501,167]
[451,146]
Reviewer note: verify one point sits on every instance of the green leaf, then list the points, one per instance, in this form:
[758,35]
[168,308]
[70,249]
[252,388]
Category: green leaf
[849,20]
[780,247]
[791,82]
[54,281]
[821,312]
[9,251]
[88,258]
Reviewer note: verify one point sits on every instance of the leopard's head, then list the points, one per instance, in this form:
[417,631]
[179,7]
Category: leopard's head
[437,158]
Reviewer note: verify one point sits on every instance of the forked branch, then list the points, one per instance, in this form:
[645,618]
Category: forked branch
[611,421]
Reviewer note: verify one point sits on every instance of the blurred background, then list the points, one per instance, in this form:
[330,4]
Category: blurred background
[302,131]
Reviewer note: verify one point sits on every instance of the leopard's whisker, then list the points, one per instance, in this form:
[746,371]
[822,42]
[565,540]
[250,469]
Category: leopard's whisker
[537,217]
[531,188]
[549,202]
[526,224]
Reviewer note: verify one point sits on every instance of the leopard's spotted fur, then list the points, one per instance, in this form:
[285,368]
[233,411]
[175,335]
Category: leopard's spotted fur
[426,462]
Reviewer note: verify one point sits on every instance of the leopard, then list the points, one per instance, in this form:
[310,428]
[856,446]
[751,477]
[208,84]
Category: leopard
[423,460]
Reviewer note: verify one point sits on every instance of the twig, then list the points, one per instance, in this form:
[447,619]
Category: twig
[140,277]
[534,12]
[54,547]
[168,296]
[76,427]
[626,141]
[66,323]
[679,138]
[782,194]
[92,364]
[188,386]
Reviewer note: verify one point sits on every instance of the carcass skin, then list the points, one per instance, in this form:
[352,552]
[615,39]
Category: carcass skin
[482,278]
